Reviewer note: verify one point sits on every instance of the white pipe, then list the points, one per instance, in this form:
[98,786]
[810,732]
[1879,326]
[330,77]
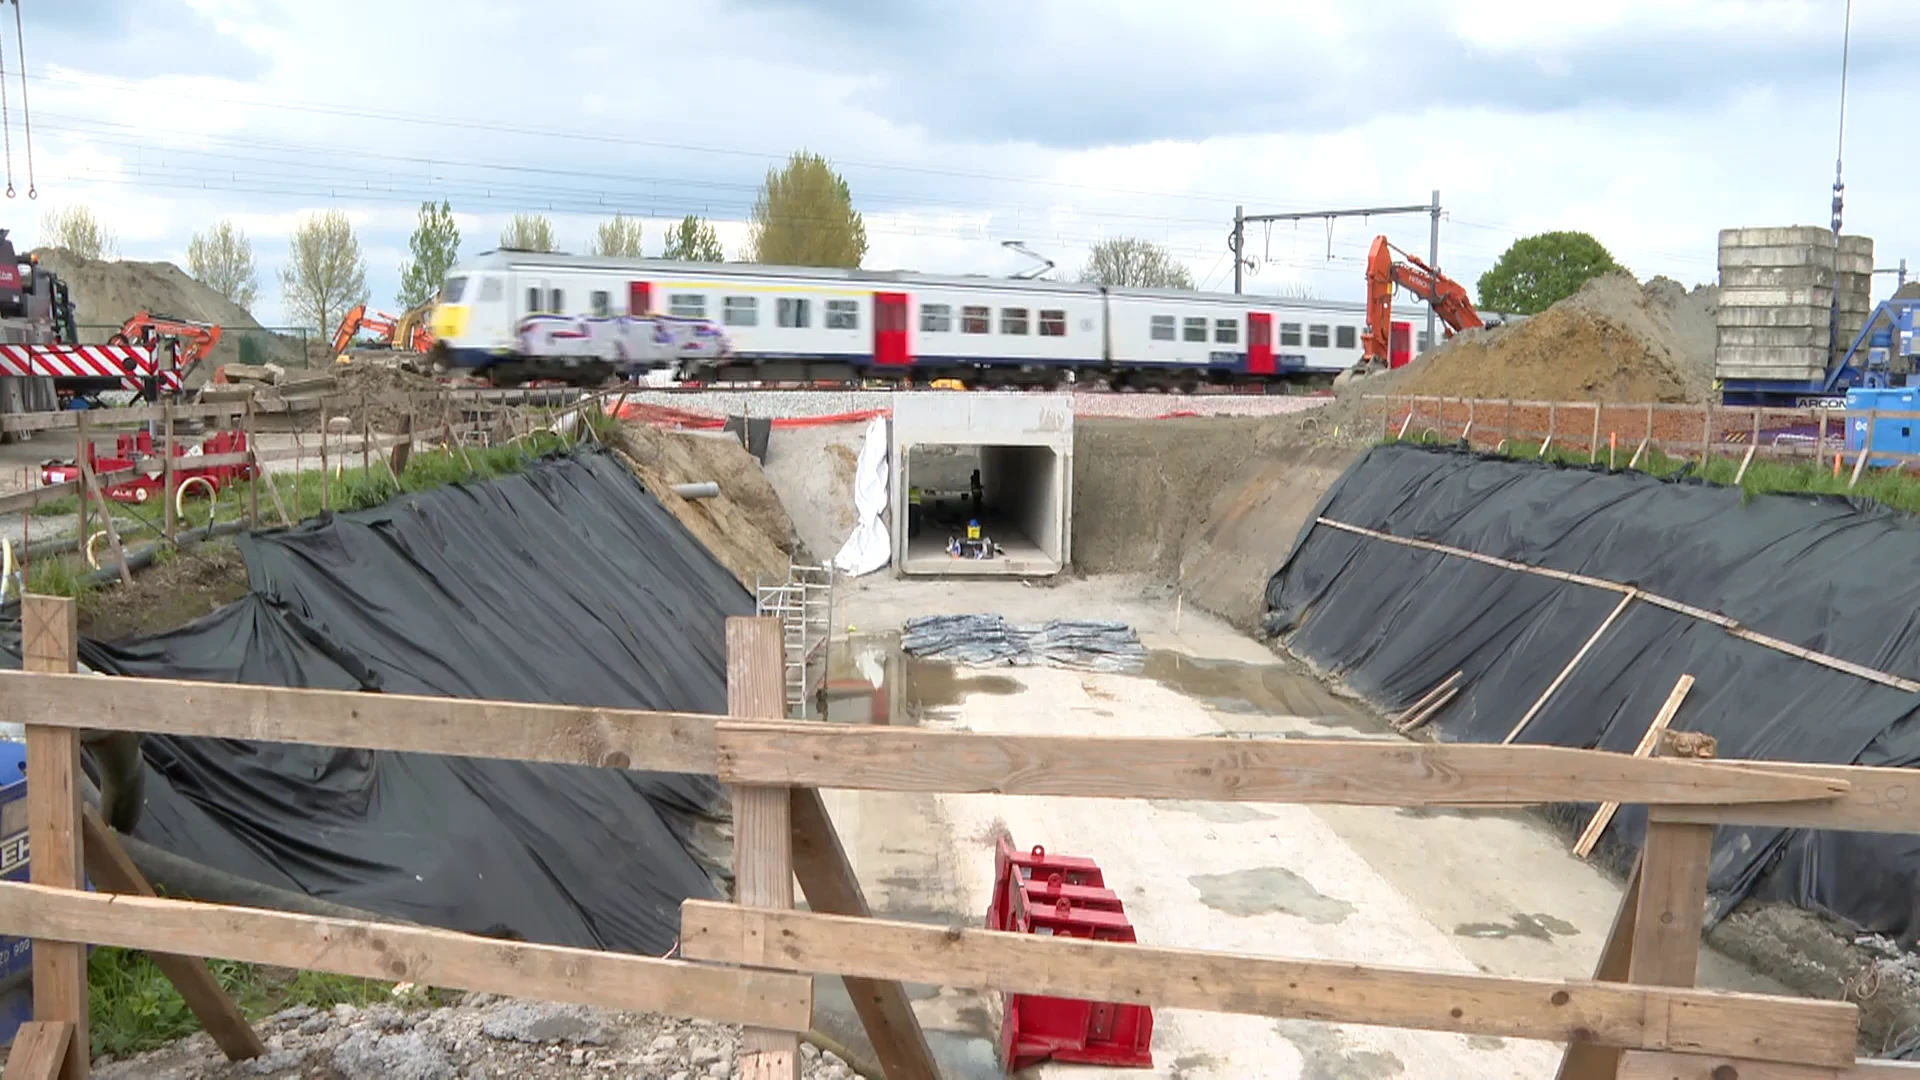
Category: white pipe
[704,489]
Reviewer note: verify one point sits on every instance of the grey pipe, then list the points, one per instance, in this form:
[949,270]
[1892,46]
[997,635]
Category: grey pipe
[704,489]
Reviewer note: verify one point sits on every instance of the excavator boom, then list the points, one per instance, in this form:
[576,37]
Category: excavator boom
[1448,297]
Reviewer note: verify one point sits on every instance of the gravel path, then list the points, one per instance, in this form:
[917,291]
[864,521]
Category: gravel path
[481,1039]
[780,404]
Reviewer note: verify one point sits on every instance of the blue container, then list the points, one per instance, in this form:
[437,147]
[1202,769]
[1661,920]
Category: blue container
[16,953]
[1891,436]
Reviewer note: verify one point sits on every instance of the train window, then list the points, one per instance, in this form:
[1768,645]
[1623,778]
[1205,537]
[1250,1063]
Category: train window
[559,302]
[843,315]
[451,292]
[975,320]
[1344,336]
[935,318]
[1013,320]
[602,303]
[490,290]
[533,299]
[1162,328]
[740,311]
[1195,330]
[791,312]
[1053,323]
[687,305]
[1317,336]
[1290,334]
[1226,331]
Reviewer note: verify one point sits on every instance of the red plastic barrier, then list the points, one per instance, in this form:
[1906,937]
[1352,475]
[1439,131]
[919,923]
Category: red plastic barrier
[1038,893]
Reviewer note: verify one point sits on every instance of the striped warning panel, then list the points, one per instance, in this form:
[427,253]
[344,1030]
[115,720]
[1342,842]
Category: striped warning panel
[124,362]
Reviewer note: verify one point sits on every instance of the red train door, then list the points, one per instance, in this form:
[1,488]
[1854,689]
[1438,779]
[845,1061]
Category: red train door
[639,298]
[1260,343]
[890,329]
[1400,345]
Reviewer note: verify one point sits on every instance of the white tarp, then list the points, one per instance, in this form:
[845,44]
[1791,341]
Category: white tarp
[869,548]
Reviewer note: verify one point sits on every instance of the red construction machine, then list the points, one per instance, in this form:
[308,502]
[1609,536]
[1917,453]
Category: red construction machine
[137,449]
[1386,344]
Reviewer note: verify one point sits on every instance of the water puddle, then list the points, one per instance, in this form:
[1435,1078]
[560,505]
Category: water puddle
[1268,890]
[1521,925]
[1277,689]
[905,690]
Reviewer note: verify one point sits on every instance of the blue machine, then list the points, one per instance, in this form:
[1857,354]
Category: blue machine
[1882,356]
[16,953]
[1893,436]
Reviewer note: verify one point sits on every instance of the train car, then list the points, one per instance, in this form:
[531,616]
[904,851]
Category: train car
[510,315]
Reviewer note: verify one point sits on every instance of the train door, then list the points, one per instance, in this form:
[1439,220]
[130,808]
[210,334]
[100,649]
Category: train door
[890,329]
[1259,343]
[1400,345]
[639,297]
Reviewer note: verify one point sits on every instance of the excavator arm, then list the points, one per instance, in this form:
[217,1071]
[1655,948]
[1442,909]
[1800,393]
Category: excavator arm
[196,339]
[1448,297]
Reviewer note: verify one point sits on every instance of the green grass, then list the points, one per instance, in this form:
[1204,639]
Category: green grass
[1893,488]
[132,1007]
[304,494]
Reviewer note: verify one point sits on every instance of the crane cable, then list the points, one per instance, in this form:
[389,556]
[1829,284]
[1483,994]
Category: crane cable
[6,114]
[26,118]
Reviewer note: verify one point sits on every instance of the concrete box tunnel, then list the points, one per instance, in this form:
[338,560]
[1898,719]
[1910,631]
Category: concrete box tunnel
[1006,462]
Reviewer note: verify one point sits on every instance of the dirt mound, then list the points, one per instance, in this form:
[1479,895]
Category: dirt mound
[745,526]
[1614,340]
[106,294]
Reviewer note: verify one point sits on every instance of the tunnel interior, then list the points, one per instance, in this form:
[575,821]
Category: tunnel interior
[1017,494]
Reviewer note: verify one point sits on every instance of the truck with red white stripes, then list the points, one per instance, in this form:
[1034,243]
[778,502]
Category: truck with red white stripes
[42,361]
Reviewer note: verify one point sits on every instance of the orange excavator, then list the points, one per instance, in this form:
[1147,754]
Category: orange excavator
[1448,297]
[409,331]
[196,339]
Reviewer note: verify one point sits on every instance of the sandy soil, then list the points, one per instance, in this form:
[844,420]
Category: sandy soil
[745,526]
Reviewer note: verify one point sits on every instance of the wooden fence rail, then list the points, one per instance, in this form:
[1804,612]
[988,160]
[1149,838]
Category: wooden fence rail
[751,961]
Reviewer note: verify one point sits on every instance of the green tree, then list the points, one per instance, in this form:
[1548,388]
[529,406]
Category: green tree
[1540,271]
[1131,263]
[222,259]
[694,240]
[529,232]
[617,237]
[325,274]
[435,244]
[804,216]
[77,230]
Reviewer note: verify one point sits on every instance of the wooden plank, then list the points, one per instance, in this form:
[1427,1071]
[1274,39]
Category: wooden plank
[1591,1061]
[826,876]
[514,731]
[1614,1014]
[1292,770]
[1647,1065]
[49,642]
[1672,905]
[1593,639]
[106,513]
[762,820]
[395,953]
[1877,800]
[112,871]
[1668,710]
[50,421]
[39,1049]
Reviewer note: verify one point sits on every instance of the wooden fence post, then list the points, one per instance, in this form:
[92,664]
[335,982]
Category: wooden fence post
[49,642]
[166,470]
[762,820]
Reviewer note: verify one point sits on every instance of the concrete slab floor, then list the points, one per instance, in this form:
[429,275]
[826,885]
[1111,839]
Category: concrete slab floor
[1462,891]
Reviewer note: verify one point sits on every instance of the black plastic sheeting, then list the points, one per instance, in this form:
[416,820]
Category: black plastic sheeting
[1823,572]
[566,583]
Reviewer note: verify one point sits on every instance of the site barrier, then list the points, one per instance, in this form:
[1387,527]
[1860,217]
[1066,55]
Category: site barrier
[751,962]
[1625,433]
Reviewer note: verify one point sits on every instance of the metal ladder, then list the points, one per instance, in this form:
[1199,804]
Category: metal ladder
[804,605]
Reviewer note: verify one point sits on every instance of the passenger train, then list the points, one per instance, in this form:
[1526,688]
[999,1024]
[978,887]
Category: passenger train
[511,316]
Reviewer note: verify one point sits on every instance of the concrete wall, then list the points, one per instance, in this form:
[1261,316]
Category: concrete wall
[1027,439]
[1028,485]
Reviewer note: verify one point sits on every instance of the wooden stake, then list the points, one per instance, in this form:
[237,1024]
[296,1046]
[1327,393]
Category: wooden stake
[1593,444]
[39,1050]
[254,472]
[1590,835]
[762,821]
[1426,699]
[1625,599]
[112,871]
[106,512]
[1432,710]
[1866,444]
[83,451]
[326,477]
[170,524]
[1706,438]
[1590,1061]
[1635,459]
[1744,462]
[49,642]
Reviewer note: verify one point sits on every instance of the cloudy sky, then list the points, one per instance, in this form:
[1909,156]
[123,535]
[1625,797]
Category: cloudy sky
[959,125]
